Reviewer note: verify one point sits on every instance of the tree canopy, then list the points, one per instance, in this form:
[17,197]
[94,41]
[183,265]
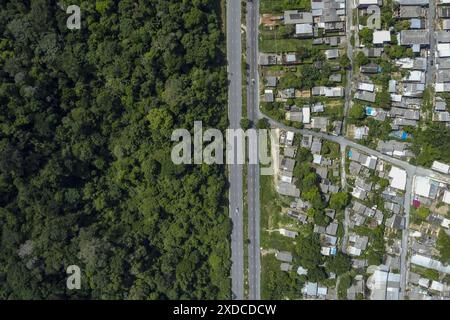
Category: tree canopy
[85,171]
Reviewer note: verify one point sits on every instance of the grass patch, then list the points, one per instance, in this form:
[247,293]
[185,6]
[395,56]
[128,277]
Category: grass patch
[278,6]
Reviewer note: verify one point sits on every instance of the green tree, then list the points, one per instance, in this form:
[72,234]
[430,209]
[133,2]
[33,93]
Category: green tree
[366,36]
[245,124]
[357,112]
[361,59]
[339,264]
[339,201]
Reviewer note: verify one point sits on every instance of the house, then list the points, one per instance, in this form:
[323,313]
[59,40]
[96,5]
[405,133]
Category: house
[306,111]
[444,12]
[443,50]
[413,89]
[397,178]
[310,289]
[384,285]
[361,183]
[288,233]
[300,217]
[285,267]
[446,24]
[394,148]
[289,138]
[357,244]
[317,107]
[267,59]
[271,81]
[296,116]
[332,228]
[268,96]
[328,92]
[286,176]
[392,86]
[360,132]
[416,23]
[407,12]
[302,271]
[443,75]
[441,116]
[415,64]
[290,58]
[440,104]
[442,87]
[317,159]
[307,141]
[396,222]
[365,96]
[414,37]
[415,76]
[316,146]
[425,187]
[413,2]
[287,189]
[372,52]
[287,164]
[297,17]
[290,152]
[366,86]
[381,37]
[441,167]
[359,193]
[332,53]
[367,3]
[304,30]
[429,263]
[283,256]
[288,93]
[370,68]
[335,77]
[443,36]
[404,113]
[354,168]
[319,123]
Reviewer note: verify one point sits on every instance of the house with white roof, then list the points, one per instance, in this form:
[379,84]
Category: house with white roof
[366,86]
[381,37]
[441,167]
[397,178]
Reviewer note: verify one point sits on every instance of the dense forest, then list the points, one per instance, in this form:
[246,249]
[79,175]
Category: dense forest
[85,172]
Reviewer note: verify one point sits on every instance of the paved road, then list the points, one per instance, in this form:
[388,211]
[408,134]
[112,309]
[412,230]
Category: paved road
[411,172]
[235,171]
[405,236]
[430,25]
[410,169]
[348,86]
[348,98]
[429,79]
[254,259]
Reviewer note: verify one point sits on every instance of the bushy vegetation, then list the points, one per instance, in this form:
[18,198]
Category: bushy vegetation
[85,170]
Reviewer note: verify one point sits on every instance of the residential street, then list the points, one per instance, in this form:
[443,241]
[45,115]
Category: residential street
[348,85]
[254,268]
[254,113]
[235,170]
[410,169]
[431,65]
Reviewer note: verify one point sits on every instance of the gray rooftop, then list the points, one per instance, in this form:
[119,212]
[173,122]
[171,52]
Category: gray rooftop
[295,17]
[411,37]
